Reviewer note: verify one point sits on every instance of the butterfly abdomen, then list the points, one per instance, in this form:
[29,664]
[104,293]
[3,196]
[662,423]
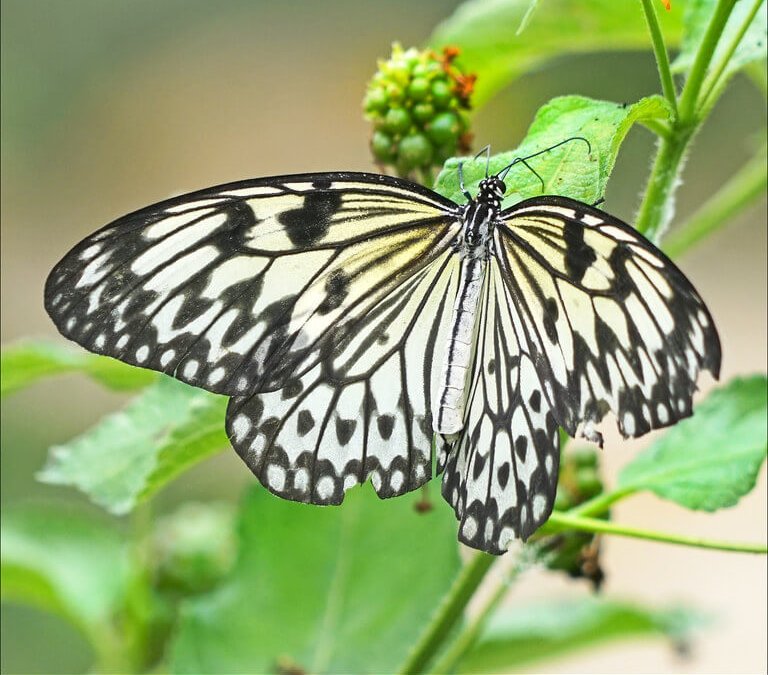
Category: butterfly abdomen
[449,417]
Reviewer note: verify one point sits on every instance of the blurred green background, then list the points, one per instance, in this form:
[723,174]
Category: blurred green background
[109,106]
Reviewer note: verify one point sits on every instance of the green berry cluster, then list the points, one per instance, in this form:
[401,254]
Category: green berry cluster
[418,102]
[577,553]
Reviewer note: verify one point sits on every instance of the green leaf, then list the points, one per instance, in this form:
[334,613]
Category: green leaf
[711,460]
[65,562]
[542,632]
[24,363]
[131,454]
[752,47]
[569,170]
[331,590]
[485,30]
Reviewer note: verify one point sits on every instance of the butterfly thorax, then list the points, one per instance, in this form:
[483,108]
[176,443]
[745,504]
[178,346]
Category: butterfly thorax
[479,217]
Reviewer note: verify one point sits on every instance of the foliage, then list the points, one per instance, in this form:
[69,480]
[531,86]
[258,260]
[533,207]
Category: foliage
[310,586]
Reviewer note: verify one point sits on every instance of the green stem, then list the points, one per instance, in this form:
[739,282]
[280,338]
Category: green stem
[448,613]
[464,641]
[713,82]
[739,192]
[692,88]
[564,521]
[660,51]
[601,503]
[656,208]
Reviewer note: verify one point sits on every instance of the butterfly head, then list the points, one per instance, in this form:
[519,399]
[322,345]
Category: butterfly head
[491,190]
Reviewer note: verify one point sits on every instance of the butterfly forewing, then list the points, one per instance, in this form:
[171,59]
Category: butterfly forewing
[239,288]
[612,323]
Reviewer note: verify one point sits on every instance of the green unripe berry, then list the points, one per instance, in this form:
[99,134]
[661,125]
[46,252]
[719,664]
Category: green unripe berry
[441,93]
[415,150]
[376,100]
[383,147]
[444,128]
[397,121]
[423,112]
[418,89]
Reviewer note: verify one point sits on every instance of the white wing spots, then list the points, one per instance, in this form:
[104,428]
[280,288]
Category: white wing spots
[216,376]
[122,341]
[539,504]
[94,271]
[469,528]
[71,321]
[100,340]
[167,249]
[142,353]
[173,223]
[90,252]
[325,487]
[190,368]
[241,425]
[662,413]
[275,477]
[628,426]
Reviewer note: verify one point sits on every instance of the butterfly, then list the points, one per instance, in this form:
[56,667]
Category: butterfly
[366,327]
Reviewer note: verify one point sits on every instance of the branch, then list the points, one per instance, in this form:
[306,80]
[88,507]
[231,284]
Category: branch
[564,521]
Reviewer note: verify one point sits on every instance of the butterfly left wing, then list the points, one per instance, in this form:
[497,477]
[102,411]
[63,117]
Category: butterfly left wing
[500,473]
[612,323]
[241,287]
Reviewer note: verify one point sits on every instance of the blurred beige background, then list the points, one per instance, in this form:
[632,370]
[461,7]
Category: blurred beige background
[110,106]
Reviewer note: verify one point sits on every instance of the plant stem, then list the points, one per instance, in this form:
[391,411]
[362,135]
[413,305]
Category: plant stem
[740,191]
[600,504]
[466,639]
[565,521]
[692,88]
[662,57]
[656,209]
[448,613]
[712,82]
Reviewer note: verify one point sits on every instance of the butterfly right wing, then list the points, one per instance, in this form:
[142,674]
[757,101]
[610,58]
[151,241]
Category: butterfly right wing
[241,287]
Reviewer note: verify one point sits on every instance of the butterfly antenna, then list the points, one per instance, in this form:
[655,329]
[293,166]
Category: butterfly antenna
[524,160]
[463,189]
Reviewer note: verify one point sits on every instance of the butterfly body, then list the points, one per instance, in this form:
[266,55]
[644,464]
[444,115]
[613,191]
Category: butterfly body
[475,246]
[352,318]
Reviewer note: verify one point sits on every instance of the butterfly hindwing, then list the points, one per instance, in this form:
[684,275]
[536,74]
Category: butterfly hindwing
[500,473]
[239,287]
[612,323]
[364,410]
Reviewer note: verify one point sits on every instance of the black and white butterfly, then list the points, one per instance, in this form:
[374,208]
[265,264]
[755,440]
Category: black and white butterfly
[354,317]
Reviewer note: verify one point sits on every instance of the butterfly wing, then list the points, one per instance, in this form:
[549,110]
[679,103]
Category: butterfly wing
[612,323]
[364,409]
[500,473]
[242,287]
